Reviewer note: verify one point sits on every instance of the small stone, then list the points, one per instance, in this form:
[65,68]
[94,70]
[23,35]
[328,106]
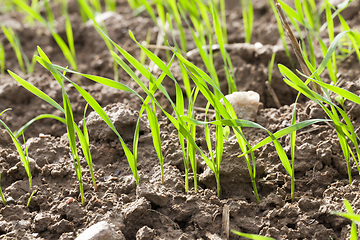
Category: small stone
[212,236]
[134,210]
[41,222]
[245,104]
[62,226]
[100,231]
[10,200]
[67,236]
[145,233]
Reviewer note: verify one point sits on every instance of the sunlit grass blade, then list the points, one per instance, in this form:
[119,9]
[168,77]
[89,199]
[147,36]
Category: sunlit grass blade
[248,18]
[83,138]
[64,48]
[292,149]
[221,41]
[251,236]
[192,129]
[101,80]
[24,159]
[2,59]
[342,129]
[97,108]
[200,78]
[353,233]
[36,91]
[42,116]
[149,9]
[352,216]
[72,142]
[97,5]
[190,154]
[177,18]
[351,36]
[110,5]
[329,20]
[245,123]
[134,3]
[271,67]
[155,131]
[10,35]
[69,31]
[285,131]
[49,13]
[30,198]
[85,145]
[1,193]
[280,29]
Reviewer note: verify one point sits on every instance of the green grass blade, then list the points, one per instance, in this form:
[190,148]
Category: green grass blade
[36,91]
[149,9]
[49,13]
[30,198]
[84,141]
[155,131]
[42,116]
[153,58]
[348,208]
[280,29]
[10,35]
[1,193]
[97,108]
[330,51]
[351,216]
[290,12]
[72,142]
[271,67]
[24,160]
[69,33]
[102,80]
[218,31]
[2,59]
[288,130]
[251,236]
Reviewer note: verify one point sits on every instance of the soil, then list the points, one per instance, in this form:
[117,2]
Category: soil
[155,210]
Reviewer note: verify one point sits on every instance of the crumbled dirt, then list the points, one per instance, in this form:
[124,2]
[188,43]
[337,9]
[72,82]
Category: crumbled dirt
[155,210]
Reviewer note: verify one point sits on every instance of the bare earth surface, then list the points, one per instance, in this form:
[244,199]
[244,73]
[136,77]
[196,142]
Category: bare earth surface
[163,211]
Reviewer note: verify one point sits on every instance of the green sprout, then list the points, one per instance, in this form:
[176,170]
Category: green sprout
[24,157]
[1,194]
[248,18]
[355,218]
[2,59]
[61,43]
[251,236]
[30,198]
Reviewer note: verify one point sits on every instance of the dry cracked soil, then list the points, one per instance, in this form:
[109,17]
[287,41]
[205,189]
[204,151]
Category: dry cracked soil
[153,210]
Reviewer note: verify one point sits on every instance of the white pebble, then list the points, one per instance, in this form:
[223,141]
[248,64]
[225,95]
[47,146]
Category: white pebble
[245,104]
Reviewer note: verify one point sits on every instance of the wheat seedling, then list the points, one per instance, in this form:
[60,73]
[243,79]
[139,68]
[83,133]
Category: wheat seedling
[24,157]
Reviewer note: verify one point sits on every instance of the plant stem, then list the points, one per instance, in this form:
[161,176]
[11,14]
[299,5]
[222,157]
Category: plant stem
[293,183]
[195,182]
[186,180]
[349,171]
[255,190]
[218,187]
[82,193]
[162,174]
[1,193]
